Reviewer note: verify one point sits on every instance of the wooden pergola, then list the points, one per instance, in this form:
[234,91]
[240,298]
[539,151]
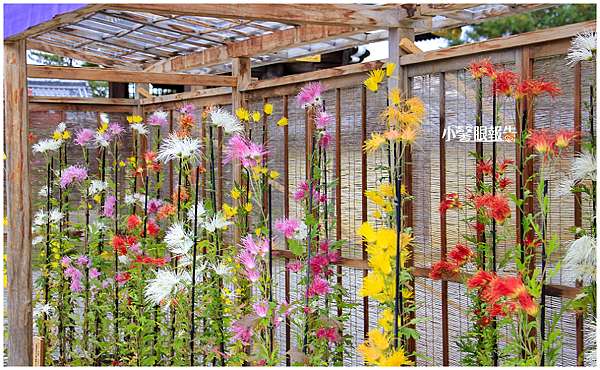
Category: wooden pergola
[207,45]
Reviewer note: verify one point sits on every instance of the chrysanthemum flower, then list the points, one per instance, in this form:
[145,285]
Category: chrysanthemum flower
[461,254]
[495,206]
[374,143]
[178,240]
[583,48]
[505,82]
[84,136]
[451,201]
[374,78]
[542,141]
[482,68]
[166,283]
[563,138]
[261,308]
[72,174]
[443,269]
[217,222]
[533,88]
[484,167]
[175,147]
[222,118]
[580,260]
[310,95]
[158,118]
[47,145]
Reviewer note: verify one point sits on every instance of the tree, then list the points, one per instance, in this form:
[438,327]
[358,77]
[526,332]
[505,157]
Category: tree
[525,22]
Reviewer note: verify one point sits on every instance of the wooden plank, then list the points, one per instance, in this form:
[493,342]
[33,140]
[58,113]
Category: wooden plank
[114,75]
[78,54]
[500,43]
[90,101]
[39,351]
[312,76]
[409,47]
[57,21]
[18,247]
[327,14]
[363,197]
[258,45]
[188,95]
[46,107]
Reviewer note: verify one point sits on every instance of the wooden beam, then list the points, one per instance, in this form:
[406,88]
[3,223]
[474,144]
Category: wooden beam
[18,247]
[90,101]
[358,15]
[186,95]
[500,43]
[258,45]
[77,54]
[115,75]
[57,21]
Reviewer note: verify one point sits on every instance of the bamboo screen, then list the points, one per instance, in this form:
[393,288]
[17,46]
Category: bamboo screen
[449,96]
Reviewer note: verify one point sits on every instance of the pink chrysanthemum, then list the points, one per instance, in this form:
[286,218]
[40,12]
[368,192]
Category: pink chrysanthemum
[247,259]
[158,118]
[115,129]
[319,287]
[325,140]
[242,333]
[71,174]
[248,153]
[287,227]
[310,95]
[84,136]
[261,308]
[322,120]
[255,247]
[109,206]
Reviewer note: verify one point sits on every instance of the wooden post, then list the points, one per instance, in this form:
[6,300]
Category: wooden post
[20,321]
[240,68]
[39,351]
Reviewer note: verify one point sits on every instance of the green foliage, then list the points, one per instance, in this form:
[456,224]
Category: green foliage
[525,22]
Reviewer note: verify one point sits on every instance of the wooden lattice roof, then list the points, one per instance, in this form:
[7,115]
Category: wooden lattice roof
[203,38]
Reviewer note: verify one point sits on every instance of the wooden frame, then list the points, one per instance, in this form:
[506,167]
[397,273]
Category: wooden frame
[115,75]
[317,22]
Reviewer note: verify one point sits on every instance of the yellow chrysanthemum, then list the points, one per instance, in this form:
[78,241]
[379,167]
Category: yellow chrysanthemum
[396,358]
[387,319]
[242,114]
[121,164]
[66,135]
[274,175]
[416,106]
[409,134]
[381,262]
[377,214]
[395,96]
[367,232]
[97,198]
[229,211]
[386,189]
[283,121]
[378,339]
[258,231]
[256,116]
[369,354]
[373,284]
[389,68]
[268,109]
[57,135]
[235,193]
[134,119]
[248,207]
[374,142]
[375,78]
[386,239]
[375,197]
[103,127]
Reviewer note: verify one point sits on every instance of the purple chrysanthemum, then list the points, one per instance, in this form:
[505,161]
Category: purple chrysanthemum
[84,136]
[71,174]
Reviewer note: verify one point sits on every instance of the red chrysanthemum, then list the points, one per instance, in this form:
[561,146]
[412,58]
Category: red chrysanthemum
[504,182]
[541,141]
[505,82]
[504,165]
[509,287]
[152,227]
[495,206]
[484,167]
[133,221]
[533,88]
[150,261]
[461,254]
[563,138]
[527,303]
[482,68]
[450,202]
[443,269]
[481,279]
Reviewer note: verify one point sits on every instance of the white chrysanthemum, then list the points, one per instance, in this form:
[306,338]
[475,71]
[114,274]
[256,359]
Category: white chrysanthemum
[302,232]
[47,145]
[39,218]
[134,198]
[584,167]
[564,186]
[222,269]
[178,240]
[226,120]
[583,48]
[61,127]
[55,215]
[192,211]
[580,260]
[41,309]
[590,343]
[101,140]
[97,186]
[124,260]
[175,147]
[140,128]
[37,240]
[216,223]
[165,284]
